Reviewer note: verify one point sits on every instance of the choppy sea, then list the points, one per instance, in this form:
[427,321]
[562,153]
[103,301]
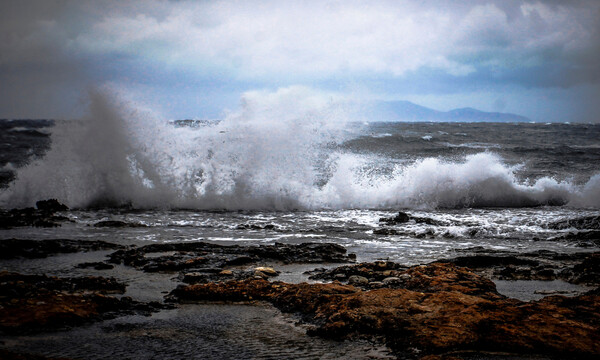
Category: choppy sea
[496,186]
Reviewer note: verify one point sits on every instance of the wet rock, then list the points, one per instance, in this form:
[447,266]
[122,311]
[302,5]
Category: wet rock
[403,217]
[117,224]
[50,205]
[32,249]
[190,255]
[32,303]
[576,268]
[586,272]
[373,272]
[443,308]
[257,227]
[96,265]
[358,280]
[269,271]
[585,238]
[582,223]
[477,261]
[29,217]
[400,218]
[386,231]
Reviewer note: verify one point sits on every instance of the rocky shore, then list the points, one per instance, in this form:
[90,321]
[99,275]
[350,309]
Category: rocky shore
[446,309]
[438,308]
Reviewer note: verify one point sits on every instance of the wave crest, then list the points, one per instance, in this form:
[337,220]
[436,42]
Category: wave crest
[279,152]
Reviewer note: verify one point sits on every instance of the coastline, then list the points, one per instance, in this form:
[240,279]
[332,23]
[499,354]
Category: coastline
[448,308]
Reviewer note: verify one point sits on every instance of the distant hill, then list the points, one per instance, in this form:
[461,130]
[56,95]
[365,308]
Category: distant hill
[408,111]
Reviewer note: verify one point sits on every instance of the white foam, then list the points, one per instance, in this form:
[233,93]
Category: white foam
[274,153]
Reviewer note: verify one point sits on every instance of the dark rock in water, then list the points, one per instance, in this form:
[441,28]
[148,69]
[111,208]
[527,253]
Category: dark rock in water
[372,272]
[443,308]
[33,303]
[477,261]
[51,205]
[256,227]
[192,255]
[96,265]
[586,272]
[401,218]
[31,249]
[583,223]
[584,238]
[117,224]
[576,268]
[43,216]
[385,231]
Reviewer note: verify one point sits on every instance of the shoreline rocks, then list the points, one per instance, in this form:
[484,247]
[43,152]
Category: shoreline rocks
[576,268]
[35,249]
[442,308]
[41,216]
[211,258]
[36,303]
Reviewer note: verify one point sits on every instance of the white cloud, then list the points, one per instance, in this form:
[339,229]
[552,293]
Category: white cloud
[323,38]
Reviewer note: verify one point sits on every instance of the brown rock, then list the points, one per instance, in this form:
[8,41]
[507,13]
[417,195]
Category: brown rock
[443,308]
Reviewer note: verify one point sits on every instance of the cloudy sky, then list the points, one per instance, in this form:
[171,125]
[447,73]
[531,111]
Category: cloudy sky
[193,59]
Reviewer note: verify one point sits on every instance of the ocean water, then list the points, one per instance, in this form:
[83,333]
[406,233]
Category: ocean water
[310,169]
[285,168]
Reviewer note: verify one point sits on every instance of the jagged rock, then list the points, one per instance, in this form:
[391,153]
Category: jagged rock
[43,216]
[576,268]
[190,255]
[51,205]
[443,308]
[32,303]
[400,218]
[403,217]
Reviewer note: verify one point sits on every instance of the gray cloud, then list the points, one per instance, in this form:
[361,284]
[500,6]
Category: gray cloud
[50,50]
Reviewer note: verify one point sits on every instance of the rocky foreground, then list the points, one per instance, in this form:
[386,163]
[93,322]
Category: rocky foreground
[437,308]
[434,309]
[444,309]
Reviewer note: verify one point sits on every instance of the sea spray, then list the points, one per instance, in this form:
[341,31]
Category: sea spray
[481,180]
[281,150]
[265,156]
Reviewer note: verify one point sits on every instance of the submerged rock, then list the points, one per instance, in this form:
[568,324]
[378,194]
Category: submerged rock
[96,265]
[401,218]
[197,255]
[117,224]
[441,308]
[32,249]
[582,223]
[33,303]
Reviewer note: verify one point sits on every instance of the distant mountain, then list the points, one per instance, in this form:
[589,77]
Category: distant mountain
[408,111]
